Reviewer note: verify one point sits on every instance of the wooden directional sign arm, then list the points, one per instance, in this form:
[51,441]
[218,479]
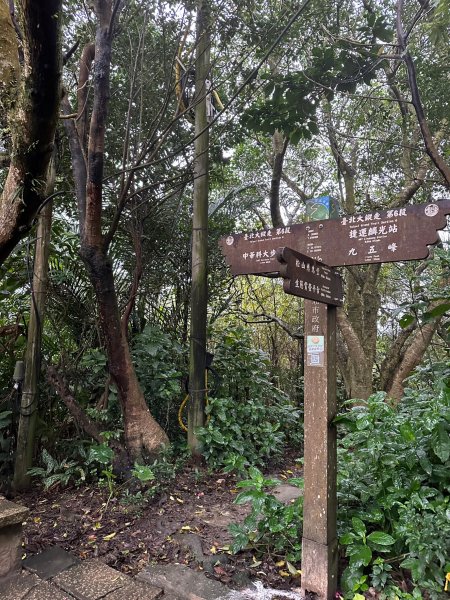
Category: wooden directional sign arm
[392,235]
[308,278]
[283,268]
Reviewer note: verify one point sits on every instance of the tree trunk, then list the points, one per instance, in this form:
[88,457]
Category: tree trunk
[199,293]
[411,358]
[143,435]
[430,146]
[30,399]
[279,150]
[32,106]
[81,419]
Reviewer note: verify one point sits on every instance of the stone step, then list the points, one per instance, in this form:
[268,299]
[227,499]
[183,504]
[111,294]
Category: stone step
[184,583]
[57,575]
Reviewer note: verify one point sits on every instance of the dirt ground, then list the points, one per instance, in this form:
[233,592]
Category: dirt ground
[187,523]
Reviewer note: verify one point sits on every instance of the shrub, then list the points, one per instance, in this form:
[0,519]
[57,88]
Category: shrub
[393,493]
[249,417]
[271,525]
[157,360]
[393,476]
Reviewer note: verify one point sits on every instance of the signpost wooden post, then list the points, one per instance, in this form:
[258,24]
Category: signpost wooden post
[398,234]
[319,542]
[323,290]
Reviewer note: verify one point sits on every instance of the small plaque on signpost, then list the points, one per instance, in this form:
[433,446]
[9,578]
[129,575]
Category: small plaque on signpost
[315,350]
[309,278]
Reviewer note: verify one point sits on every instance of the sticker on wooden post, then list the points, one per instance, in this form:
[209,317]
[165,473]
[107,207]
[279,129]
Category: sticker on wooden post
[315,350]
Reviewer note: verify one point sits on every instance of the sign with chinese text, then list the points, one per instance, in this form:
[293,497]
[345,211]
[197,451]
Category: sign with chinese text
[380,236]
[309,278]
[315,344]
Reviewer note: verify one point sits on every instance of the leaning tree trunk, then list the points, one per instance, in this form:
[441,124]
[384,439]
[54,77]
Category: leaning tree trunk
[30,99]
[143,435]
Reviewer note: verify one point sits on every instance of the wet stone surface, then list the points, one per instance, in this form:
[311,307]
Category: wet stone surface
[90,580]
[50,563]
[286,493]
[136,590]
[183,582]
[46,591]
[11,513]
[16,589]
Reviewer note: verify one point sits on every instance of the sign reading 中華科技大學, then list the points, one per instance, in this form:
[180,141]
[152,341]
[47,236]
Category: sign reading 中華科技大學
[396,234]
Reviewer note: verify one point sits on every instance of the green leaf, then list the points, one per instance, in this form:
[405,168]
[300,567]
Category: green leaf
[441,443]
[5,418]
[358,526]
[437,311]
[255,474]
[426,465]
[381,538]
[406,320]
[143,473]
[360,555]
[407,432]
[347,538]
[101,453]
[248,496]
[49,461]
[295,136]
[414,565]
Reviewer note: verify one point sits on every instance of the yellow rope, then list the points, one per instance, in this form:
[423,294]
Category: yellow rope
[178,77]
[218,100]
[185,401]
[180,413]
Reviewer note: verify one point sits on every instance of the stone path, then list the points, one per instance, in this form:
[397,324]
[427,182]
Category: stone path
[57,575]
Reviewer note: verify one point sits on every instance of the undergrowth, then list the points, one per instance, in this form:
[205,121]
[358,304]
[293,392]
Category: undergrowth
[393,495]
[250,419]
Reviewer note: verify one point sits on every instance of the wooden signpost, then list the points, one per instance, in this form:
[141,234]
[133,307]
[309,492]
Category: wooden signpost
[323,289]
[381,236]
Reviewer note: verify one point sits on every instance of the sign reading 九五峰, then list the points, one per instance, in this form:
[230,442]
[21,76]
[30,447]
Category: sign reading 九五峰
[380,236]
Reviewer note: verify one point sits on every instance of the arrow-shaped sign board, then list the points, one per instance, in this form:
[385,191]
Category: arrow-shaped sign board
[396,234]
[308,278]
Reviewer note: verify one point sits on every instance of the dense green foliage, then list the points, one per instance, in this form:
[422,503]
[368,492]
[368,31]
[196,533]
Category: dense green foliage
[393,493]
[271,525]
[394,476]
[251,419]
[159,362]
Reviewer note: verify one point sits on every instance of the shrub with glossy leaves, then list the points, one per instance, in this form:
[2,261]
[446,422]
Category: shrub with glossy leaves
[394,477]
[249,417]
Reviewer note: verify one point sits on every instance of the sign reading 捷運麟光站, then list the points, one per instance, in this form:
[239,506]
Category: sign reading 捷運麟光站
[396,234]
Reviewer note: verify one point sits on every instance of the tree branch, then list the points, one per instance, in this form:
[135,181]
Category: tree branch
[430,147]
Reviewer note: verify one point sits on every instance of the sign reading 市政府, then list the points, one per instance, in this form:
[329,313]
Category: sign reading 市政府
[380,236]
